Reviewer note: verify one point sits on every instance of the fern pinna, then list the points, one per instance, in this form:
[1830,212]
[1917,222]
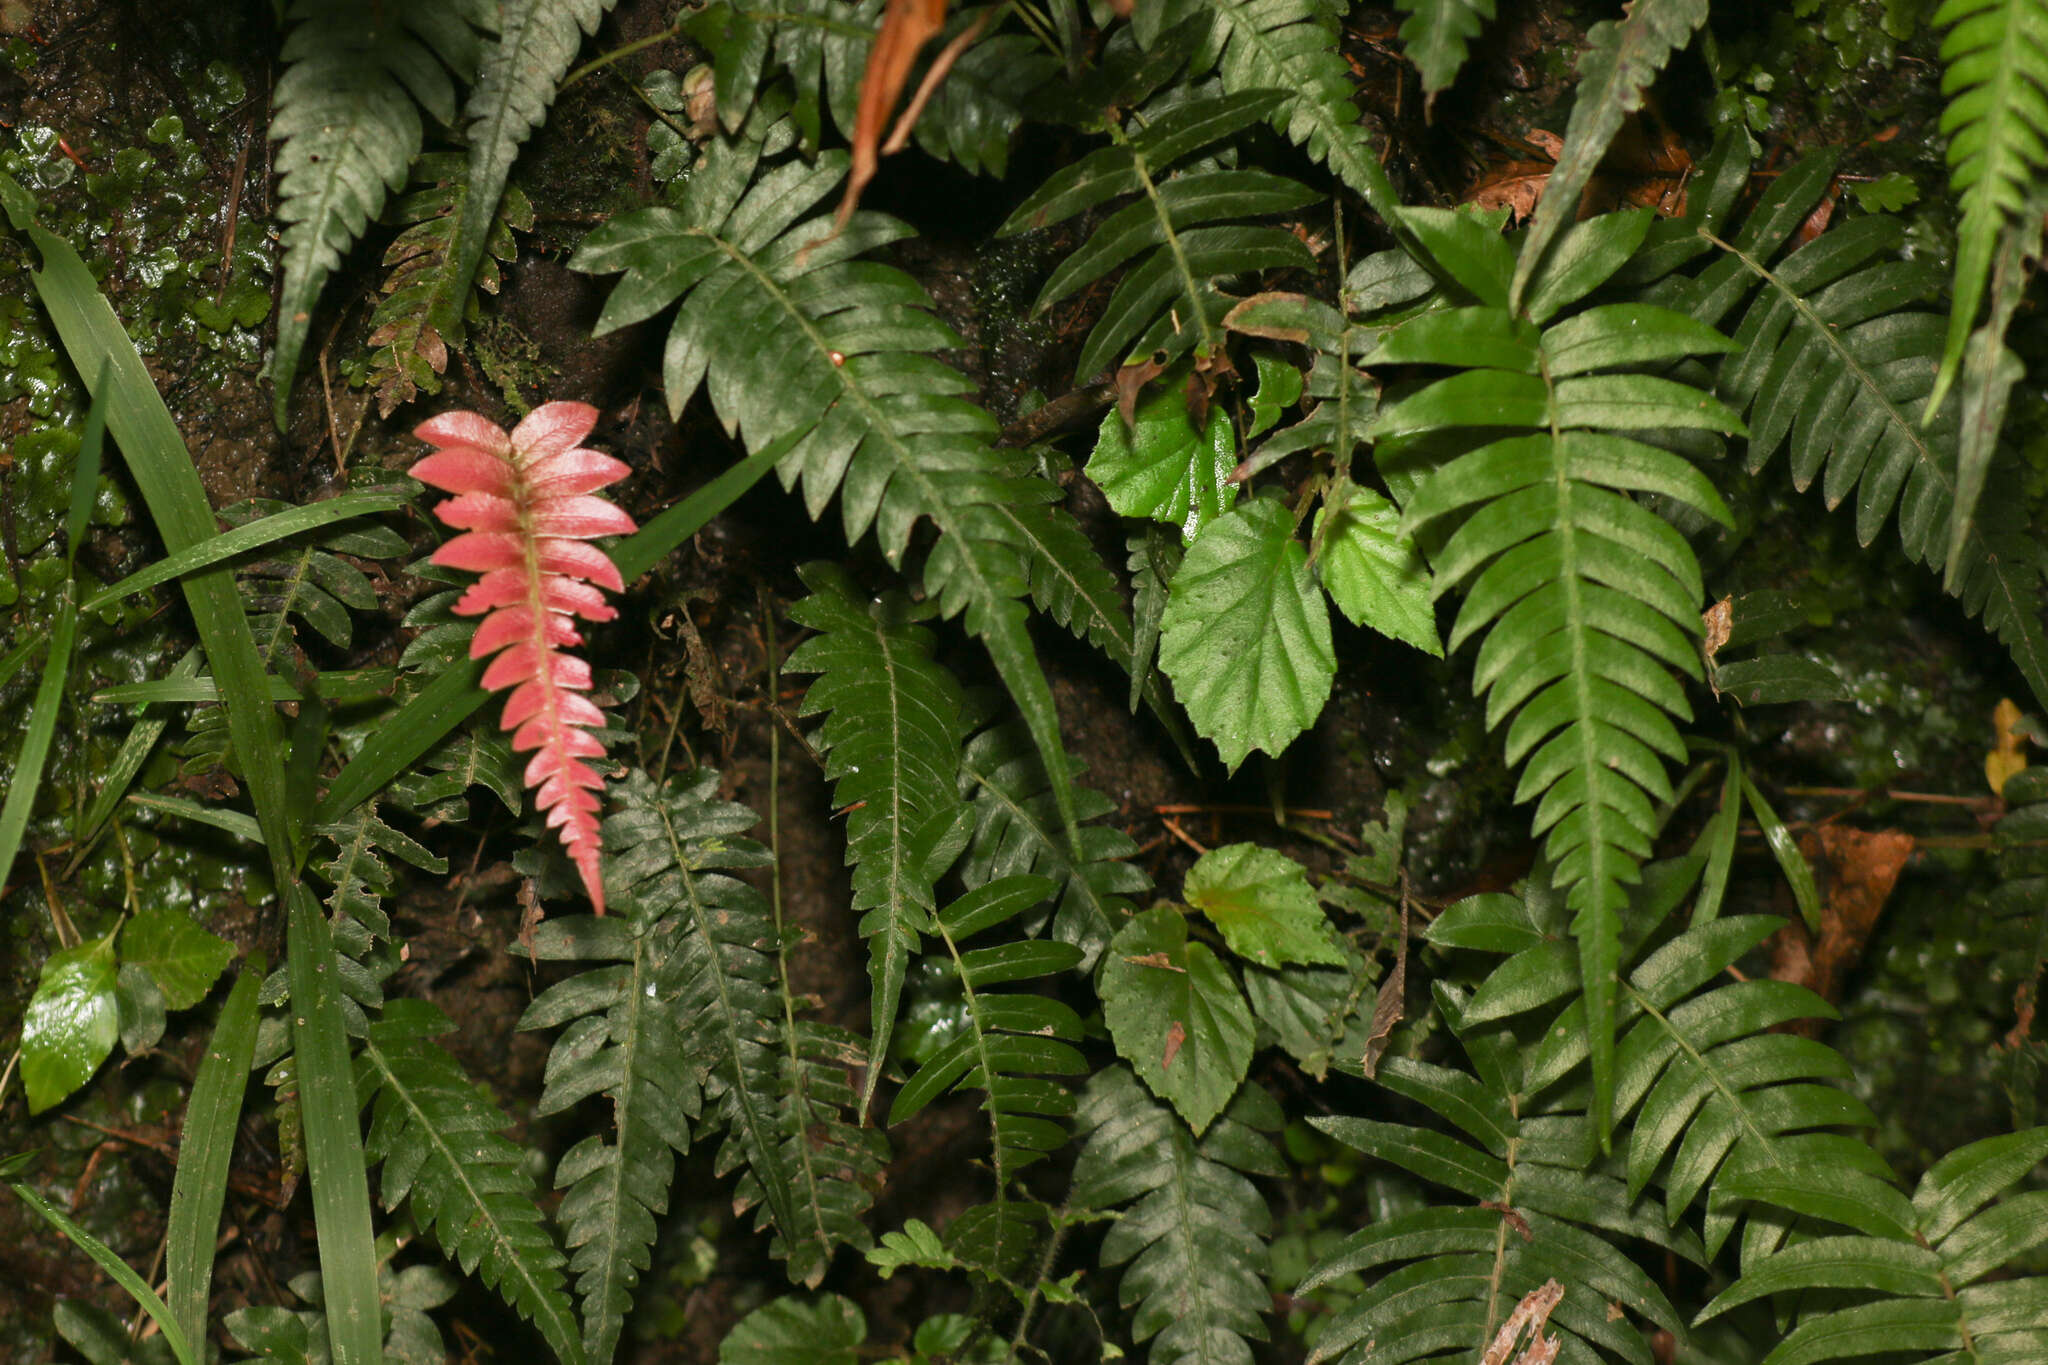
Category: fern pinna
[525,508]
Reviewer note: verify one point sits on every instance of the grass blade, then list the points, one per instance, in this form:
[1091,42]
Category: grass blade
[127,763]
[174,1336]
[201,1185]
[226,821]
[256,534]
[27,778]
[334,1146]
[162,468]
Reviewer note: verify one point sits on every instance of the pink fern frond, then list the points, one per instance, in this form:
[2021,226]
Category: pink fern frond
[525,508]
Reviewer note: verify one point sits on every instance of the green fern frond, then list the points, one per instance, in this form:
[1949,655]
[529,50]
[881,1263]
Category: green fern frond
[306,578]
[805,348]
[360,872]
[1016,830]
[515,83]
[437,785]
[1995,72]
[1443,1279]
[1621,59]
[892,744]
[1717,1105]
[1070,583]
[439,1139]
[347,113]
[621,1039]
[1191,1229]
[427,305]
[1834,362]
[775,1092]
[1167,300]
[1437,36]
[1589,601]
[1928,1284]
[1012,1046]
[1291,46]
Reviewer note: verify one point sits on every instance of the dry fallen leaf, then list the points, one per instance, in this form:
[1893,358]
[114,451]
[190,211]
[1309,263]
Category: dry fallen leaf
[2009,749]
[1859,867]
[1391,1003]
[1532,1315]
[907,25]
[1176,1034]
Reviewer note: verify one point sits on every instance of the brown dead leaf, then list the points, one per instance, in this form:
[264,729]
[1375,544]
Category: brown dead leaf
[907,25]
[1857,870]
[1131,380]
[1515,186]
[1531,1315]
[1236,320]
[1391,1003]
[1719,621]
[1176,1034]
[2009,746]
[1159,960]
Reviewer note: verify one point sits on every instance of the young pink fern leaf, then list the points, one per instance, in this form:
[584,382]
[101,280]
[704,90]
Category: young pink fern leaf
[525,508]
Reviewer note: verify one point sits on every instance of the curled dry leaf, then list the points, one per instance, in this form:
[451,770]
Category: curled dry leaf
[525,506]
[1532,1314]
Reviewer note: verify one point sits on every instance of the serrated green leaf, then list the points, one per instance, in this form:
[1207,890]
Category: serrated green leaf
[827,1330]
[1372,571]
[1161,467]
[1246,637]
[184,959]
[1176,1015]
[1261,902]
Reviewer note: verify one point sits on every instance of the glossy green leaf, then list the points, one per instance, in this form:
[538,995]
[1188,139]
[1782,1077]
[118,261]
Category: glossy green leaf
[71,1024]
[1161,467]
[827,1330]
[184,959]
[1262,904]
[1246,636]
[1176,1015]
[1372,571]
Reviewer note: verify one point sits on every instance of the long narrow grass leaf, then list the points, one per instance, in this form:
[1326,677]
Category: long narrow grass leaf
[200,1187]
[334,1143]
[27,778]
[180,1344]
[253,536]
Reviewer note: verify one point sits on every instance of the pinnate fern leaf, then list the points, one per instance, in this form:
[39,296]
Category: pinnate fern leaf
[1995,73]
[892,744]
[526,510]
[438,1137]
[347,114]
[515,84]
[1437,36]
[778,1090]
[1718,1106]
[622,1040]
[1932,1285]
[1013,1046]
[1191,1229]
[1016,829]
[1834,363]
[806,349]
[1291,46]
[1444,1278]
[1588,600]
[428,304]
[1622,58]
[1167,300]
